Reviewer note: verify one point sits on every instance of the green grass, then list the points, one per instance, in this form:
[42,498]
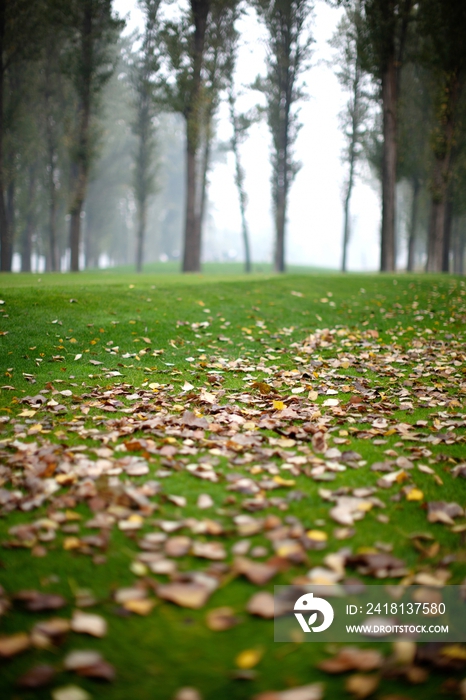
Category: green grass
[172,647]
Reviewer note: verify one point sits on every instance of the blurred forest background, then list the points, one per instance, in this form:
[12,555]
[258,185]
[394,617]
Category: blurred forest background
[107,138]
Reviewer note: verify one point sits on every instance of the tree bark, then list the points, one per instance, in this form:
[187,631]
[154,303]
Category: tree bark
[192,240]
[413,225]
[280,219]
[192,234]
[82,156]
[441,176]
[389,106]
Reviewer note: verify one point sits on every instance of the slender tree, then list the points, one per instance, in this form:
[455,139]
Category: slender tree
[185,44]
[20,40]
[92,31]
[240,124]
[198,50]
[415,123]
[383,47]
[347,42]
[443,27]
[288,43]
[144,74]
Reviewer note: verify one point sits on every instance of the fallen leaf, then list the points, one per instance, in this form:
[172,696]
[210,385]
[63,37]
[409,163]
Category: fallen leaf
[362,686]
[352,659]
[87,623]
[70,692]
[186,595]
[248,658]
[261,604]
[13,644]
[221,619]
[315,691]
[36,677]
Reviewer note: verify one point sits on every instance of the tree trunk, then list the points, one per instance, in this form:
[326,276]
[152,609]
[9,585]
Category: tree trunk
[75,238]
[281,183]
[26,246]
[53,247]
[442,175]
[142,220]
[5,241]
[280,218]
[346,227]
[52,256]
[82,160]
[389,105]
[28,230]
[447,233]
[413,225]
[346,230]
[239,181]
[455,234]
[201,203]
[461,248]
[192,234]
[192,238]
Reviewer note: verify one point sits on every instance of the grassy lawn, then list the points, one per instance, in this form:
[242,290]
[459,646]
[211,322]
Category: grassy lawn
[255,380]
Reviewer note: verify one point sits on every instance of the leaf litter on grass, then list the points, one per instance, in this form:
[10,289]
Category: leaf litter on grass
[282,438]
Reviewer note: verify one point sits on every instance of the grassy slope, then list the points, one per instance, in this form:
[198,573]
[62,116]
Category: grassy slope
[172,647]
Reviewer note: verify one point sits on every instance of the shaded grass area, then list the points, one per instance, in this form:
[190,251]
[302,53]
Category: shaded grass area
[49,323]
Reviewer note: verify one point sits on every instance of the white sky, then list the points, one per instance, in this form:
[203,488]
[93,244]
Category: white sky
[315,216]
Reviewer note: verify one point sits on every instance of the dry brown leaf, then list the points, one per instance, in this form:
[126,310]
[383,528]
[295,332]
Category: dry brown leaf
[186,595]
[88,623]
[37,677]
[352,659]
[13,644]
[362,686]
[262,604]
[221,619]
[256,572]
[314,691]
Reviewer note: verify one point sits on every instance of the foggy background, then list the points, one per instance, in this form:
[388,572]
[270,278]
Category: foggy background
[315,214]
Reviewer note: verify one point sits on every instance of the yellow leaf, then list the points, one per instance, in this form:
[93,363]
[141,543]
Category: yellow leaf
[71,515]
[278,405]
[138,568]
[248,658]
[71,543]
[317,535]
[284,482]
[140,607]
[415,495]
[365,506]
[27,413]
[312,396]
[455,651]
